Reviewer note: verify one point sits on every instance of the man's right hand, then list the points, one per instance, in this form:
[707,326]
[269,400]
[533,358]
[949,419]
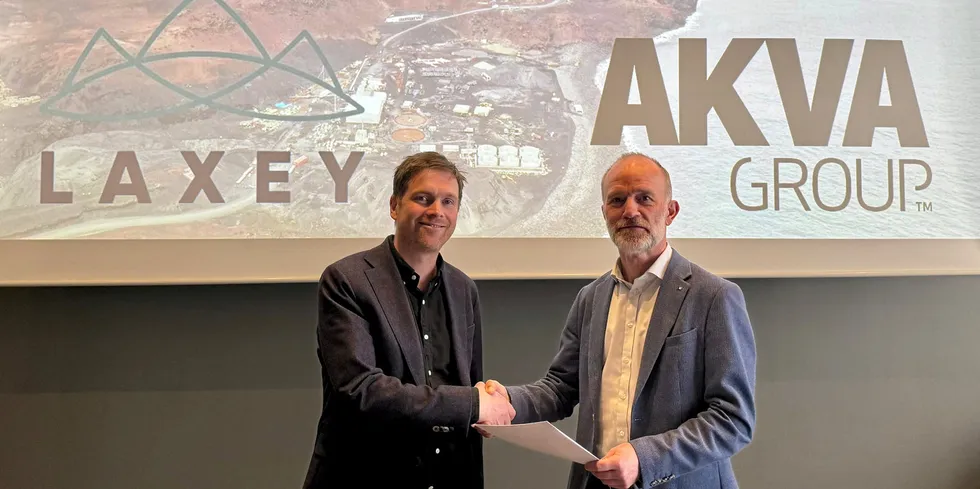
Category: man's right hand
[495,409]
[496,388]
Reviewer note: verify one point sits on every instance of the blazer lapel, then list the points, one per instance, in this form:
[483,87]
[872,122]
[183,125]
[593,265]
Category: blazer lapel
[455,312]
[597,336]
[670,298]
[390,292]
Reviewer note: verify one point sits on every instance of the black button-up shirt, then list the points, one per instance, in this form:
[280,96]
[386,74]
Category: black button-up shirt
[429,309]
[445,453]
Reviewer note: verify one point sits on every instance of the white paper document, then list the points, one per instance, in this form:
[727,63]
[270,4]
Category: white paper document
[541,437]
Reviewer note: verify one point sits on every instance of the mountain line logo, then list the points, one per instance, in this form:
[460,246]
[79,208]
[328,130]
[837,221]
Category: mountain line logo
[142,60]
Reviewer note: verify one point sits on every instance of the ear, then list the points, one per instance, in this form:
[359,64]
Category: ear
[393,204]
[673,208]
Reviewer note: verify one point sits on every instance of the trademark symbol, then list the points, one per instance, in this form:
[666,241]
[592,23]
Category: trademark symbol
[923,206]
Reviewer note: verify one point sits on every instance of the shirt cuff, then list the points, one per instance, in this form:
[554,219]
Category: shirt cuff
[475,407]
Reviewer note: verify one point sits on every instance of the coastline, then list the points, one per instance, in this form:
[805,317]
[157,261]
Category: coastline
[633,138]
[577,199]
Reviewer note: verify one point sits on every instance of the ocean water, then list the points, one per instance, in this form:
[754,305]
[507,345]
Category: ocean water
[943,52]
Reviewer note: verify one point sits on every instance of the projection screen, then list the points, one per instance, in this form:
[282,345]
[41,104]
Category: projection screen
[202,141]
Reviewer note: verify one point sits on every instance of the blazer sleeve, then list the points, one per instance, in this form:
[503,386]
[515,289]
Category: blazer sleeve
[476,367]
[350,365]
[727,424]
[476,375]
[555,396]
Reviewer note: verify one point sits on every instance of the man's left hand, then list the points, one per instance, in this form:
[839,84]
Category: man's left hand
[619,469]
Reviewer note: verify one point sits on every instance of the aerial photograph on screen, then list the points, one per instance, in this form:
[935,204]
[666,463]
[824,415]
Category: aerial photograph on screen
[190,119]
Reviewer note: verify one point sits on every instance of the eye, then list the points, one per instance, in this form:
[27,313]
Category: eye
[449,202]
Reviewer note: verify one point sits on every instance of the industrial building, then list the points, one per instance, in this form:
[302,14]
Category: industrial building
[530,157]
[361,136]
[508,157]
[397,19]
[486,155]
[373,103]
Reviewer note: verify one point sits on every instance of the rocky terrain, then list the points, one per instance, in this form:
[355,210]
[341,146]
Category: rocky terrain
[595,21]
[42,39]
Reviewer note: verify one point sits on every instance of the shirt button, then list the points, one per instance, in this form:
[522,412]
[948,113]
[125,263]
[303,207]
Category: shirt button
[425,336]
[437,451]
[623,397]
[629,324]
[430,372]
[423,302]
[622,433]
[414,277]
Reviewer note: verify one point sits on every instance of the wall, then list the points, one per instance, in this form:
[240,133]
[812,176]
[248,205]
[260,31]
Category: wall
[863,383]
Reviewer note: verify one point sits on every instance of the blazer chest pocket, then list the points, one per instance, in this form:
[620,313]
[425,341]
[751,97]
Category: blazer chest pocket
[684,338]
[468,335]
[682,368]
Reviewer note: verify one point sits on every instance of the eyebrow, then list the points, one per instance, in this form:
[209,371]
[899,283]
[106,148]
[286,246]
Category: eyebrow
[430,193]
[635,191]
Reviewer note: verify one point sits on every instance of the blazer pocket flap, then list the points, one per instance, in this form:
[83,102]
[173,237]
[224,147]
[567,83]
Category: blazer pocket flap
[682,338]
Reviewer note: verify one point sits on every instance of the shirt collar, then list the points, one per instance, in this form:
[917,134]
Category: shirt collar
[658,269]
[407,273]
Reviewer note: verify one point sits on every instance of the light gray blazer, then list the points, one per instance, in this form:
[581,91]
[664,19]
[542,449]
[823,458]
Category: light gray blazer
[694,406]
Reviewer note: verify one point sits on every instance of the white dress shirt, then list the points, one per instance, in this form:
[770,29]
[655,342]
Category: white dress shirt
[630,311]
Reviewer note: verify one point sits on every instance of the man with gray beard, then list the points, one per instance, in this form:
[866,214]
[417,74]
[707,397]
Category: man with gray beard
[658,352]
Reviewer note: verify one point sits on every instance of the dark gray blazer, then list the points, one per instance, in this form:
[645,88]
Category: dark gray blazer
[694,406]
[378,411]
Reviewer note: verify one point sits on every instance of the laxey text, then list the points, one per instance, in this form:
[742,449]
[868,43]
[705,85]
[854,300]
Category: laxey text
[126,162]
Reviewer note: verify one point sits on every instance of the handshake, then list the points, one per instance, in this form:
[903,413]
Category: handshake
[495,407]
[618,469]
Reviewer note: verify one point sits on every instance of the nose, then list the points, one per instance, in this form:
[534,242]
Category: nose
[631,209]
[435,209]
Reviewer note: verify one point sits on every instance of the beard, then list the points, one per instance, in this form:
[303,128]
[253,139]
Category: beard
[432,239]
[632,241]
